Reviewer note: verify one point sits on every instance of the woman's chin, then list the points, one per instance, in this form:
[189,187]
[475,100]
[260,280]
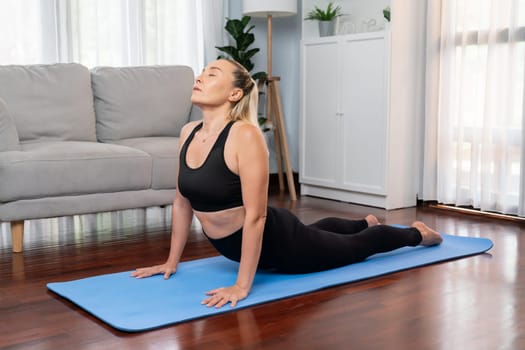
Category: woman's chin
[195,100]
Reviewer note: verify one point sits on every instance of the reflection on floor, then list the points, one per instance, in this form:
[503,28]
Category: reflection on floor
[105,226]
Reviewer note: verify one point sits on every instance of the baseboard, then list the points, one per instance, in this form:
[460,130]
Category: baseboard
[472,211]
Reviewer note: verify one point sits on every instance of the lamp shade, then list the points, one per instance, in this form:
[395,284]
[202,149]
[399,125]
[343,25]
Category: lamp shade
[263,8]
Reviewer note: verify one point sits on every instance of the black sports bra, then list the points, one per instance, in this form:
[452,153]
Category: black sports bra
[212,186]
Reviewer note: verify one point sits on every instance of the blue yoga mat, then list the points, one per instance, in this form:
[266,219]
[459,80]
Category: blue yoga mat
[133,305]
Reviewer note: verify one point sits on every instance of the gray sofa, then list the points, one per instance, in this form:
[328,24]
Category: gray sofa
[75,141]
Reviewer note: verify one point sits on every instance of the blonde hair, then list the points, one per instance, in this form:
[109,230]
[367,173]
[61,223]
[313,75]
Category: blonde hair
[246,108]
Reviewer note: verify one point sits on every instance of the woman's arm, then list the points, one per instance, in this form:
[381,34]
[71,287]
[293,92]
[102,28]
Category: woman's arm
[182,214]
[252,159]
[181,221]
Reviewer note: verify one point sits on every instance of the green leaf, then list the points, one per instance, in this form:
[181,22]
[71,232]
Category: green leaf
[234,27]
[245,20]
[259,75]
[244,41]
[230,50]
[249,29]
[386,13]
[249,54]
[247,64]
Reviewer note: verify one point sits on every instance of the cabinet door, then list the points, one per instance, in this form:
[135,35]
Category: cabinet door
[320,150]
[364,116]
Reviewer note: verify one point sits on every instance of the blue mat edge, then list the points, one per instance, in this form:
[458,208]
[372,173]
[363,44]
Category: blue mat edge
[227,309]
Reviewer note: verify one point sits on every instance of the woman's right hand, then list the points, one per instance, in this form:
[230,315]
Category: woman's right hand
[166,269]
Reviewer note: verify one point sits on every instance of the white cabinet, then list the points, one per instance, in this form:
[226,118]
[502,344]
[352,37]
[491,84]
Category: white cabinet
[320,139]
[363,113]
[359,108]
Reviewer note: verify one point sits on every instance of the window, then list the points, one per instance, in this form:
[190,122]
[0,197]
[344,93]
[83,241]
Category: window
[113,33]
[481,104]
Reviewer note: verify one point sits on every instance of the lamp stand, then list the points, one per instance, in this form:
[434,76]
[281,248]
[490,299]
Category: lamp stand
[274,113]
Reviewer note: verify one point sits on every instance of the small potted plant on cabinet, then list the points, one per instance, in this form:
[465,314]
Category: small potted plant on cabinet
[326,18]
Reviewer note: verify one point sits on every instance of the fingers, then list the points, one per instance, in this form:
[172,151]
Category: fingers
[215,291]
[218,301]
[153,270]
[234,302]
[222,296]
[141,273]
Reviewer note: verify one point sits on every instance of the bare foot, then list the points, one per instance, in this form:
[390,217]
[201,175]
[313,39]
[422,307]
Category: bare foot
[371,220]
[430,237]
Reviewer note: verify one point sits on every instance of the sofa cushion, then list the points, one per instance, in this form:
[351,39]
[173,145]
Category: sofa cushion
[64,168]
[49,102]
[164,151]
[8,135]
[133,102]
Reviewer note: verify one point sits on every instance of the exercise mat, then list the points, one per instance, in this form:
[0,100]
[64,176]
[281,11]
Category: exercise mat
[132,305]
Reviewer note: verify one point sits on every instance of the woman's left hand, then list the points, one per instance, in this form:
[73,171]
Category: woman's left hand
[222,296]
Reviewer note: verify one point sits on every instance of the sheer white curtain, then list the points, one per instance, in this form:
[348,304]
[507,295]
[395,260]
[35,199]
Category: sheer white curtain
[21,24]
[113,33]
[475,101]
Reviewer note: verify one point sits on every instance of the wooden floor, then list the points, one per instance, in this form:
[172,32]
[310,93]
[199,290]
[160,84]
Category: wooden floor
[471,303]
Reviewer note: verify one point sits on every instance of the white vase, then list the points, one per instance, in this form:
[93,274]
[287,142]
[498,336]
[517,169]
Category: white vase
[326,28]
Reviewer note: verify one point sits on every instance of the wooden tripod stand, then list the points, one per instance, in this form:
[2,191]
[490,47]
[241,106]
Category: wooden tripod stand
[274,113]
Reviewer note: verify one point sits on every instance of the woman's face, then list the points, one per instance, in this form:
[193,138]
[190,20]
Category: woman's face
[214,86]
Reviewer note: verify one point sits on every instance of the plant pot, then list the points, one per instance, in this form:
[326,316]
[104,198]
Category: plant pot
[326,28]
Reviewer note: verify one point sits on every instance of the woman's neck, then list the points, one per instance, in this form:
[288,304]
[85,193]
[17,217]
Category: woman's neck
[213,120]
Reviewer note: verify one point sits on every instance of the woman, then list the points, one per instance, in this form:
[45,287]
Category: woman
[223,181]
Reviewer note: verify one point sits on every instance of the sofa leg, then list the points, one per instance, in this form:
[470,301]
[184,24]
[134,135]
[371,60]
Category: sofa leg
[17,234]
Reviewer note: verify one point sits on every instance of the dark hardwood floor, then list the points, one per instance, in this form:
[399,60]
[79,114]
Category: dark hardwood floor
[471,303]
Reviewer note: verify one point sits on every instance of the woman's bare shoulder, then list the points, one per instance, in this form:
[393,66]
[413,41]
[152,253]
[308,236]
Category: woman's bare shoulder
[248,135]
[244,129]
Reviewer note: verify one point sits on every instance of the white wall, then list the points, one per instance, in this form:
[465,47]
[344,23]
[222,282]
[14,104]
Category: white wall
[285,64]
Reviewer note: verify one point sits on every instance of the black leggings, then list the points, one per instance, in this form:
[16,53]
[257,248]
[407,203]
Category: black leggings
[289,246]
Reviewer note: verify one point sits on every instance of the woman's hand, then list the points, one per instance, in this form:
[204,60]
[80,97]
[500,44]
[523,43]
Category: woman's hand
[221,296]
[166,269]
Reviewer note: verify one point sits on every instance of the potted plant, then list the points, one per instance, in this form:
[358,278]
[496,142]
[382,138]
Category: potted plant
[241,52]
[325,17]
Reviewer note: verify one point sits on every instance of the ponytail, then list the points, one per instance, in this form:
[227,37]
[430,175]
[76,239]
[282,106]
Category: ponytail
[246,108]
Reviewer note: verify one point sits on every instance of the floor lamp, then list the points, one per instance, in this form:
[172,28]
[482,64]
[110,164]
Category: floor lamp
[274,111]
